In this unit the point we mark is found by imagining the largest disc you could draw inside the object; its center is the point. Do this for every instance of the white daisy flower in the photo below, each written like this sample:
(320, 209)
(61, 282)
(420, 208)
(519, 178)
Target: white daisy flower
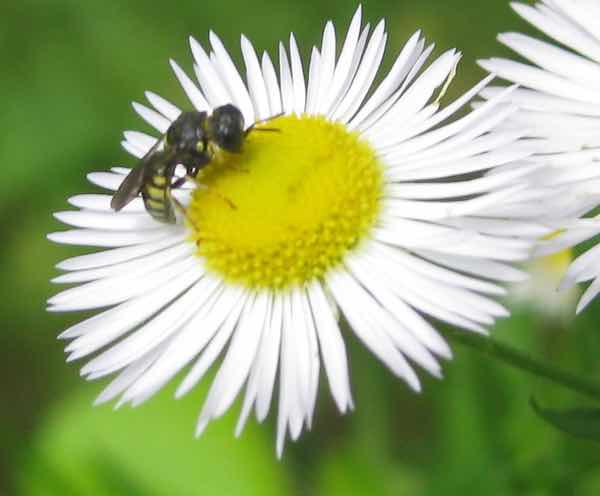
(368, 203)
(560, 101)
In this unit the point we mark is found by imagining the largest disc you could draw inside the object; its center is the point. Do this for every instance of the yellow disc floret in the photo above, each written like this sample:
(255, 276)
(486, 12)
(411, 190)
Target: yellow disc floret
(289, 207)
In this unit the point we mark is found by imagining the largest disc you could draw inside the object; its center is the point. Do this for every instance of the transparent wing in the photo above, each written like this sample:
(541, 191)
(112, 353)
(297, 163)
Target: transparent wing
(133, 182)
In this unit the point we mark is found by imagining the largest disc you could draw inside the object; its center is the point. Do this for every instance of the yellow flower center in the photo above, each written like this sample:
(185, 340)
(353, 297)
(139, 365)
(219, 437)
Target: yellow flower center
(289, 207)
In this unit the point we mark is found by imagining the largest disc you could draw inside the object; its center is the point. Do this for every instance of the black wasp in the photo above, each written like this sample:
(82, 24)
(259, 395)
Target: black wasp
(189, 141)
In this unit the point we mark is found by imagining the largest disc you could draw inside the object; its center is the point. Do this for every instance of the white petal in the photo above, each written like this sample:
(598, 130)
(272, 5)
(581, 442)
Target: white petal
(256, 83)
(482, 267)
(391, 82)
(326, 66)
(438, 117)
(101, 203)
(364, 76)
(289, 402)
(438, 309)
(153, 333)
(350, 298)
(141, 141)
(106, 180)
(132, 149)
(240, 356)
(539, 79)
(420, 92)
(553, 59)
(332, 347)
(212, 351)
(152, 117)
(414, 322)
(272, 84)
(127, 377)
(313, 353)
(305, 358)
(215, 90)
(297, 77)
(92, 338)
(186, 344)
(112, 221)
(590, 293)
(485, 184)
(262, 356)
(584, 268)
(270, 356)
(118, 255)
(165, 107)
(232, 79)
(446, 209)
(416, 61)
(287, 88)
(103, 328)
(191, 90)
(313, 82)
(107, 239)
(138, 266)
(347, 62)
(457, 133)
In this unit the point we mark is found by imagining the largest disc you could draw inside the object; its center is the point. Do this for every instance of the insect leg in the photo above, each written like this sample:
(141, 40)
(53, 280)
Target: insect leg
(179, 182)
(216, 192)
(213, 191)
(178, 205)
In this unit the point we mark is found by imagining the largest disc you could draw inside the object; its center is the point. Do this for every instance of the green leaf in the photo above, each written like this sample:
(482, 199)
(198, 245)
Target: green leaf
(579, 422)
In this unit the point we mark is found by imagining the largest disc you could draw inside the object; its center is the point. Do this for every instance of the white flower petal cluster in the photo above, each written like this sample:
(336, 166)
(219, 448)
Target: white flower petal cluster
(455, 218)
(560, 101)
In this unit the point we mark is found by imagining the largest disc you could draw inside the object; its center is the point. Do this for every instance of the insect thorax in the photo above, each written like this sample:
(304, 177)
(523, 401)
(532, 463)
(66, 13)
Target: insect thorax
(187, 130)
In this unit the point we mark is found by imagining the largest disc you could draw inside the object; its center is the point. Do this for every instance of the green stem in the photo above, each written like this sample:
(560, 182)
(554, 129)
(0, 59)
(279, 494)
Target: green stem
(526, 363)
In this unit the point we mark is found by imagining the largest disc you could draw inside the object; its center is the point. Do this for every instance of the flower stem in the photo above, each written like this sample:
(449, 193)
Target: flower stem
(522, 361)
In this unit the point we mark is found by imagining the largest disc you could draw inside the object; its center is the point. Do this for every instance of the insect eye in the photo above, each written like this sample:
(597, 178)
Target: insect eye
(228, 127)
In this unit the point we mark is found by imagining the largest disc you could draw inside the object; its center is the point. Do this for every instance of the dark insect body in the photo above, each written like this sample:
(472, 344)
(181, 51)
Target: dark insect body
(191, 141)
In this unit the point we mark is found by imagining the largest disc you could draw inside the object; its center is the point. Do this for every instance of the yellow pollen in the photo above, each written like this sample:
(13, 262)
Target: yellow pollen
(290, 207)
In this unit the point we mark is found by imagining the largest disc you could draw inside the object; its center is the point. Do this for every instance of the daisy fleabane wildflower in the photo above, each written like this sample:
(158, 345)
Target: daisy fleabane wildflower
(368, 203)
(560, 102)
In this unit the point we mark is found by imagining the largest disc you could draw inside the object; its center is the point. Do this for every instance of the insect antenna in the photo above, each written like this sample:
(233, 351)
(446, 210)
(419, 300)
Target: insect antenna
(268, 129)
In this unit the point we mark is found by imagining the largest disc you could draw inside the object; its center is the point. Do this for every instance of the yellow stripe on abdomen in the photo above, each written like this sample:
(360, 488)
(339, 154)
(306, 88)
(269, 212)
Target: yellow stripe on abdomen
(155, 205)
(155, 193)
(159, 181)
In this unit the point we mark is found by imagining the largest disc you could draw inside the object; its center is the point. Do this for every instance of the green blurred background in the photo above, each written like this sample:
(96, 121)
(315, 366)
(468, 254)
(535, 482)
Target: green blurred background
(70, 69)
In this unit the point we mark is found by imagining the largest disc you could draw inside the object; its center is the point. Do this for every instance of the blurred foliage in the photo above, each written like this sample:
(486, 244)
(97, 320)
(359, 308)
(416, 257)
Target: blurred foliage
(70, 70)
(84, 451)
(579, 422)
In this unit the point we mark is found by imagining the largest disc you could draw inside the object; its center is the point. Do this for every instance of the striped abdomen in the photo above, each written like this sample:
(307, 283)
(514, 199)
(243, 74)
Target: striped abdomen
(157, 198)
